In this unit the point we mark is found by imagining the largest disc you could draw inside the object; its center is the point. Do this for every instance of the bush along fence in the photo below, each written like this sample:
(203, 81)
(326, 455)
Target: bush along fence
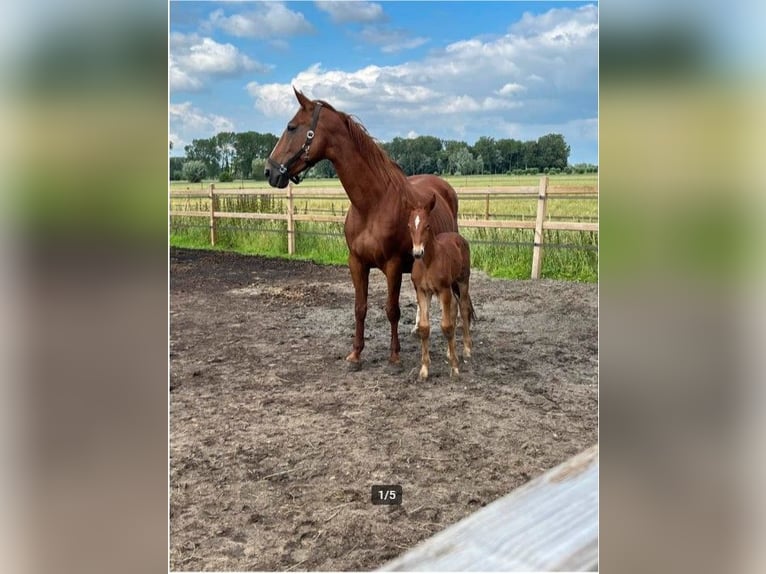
(293, 205)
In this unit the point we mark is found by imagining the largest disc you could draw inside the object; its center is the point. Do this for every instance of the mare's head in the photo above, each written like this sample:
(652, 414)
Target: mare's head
(302, 143)
(419, 225)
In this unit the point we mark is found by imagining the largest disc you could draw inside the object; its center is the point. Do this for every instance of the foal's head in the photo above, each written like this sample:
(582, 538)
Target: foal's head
(420, 227)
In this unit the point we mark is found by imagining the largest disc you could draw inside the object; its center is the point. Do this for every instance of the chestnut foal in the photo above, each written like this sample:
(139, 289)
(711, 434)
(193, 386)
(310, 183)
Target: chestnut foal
(442, 266)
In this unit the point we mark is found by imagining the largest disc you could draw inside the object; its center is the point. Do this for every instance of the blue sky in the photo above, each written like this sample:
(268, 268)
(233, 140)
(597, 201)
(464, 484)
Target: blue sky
(455, 70)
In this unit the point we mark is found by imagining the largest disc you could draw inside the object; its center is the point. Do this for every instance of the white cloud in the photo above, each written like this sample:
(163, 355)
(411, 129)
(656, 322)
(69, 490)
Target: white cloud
(390, 39)
(181, 80)
(194, 60)
(178, 143)
(342, 12)
(542, 72)
(188, 123)
(510, 88)
(265, 20)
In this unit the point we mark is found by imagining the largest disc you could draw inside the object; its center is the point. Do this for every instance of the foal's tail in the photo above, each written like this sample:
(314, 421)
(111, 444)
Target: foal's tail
(471, 312)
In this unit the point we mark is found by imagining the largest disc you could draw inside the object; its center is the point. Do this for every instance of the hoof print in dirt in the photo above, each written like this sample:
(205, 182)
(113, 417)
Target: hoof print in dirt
(353, 367)
(394, 368)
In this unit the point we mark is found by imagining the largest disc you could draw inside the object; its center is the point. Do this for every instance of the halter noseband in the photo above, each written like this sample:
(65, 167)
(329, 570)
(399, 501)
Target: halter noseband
(304, 149)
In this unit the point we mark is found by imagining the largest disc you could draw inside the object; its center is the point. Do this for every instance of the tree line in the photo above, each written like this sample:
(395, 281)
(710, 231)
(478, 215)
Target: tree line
(229, 155)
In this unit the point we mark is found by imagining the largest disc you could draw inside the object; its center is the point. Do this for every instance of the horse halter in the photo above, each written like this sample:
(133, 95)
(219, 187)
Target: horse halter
(304, 149)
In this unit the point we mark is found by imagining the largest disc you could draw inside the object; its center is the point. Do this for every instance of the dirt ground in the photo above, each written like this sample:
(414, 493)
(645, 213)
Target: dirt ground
(275, 443)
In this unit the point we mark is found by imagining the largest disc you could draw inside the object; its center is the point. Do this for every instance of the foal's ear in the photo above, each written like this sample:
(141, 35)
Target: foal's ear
(302, 100)
(431, 204)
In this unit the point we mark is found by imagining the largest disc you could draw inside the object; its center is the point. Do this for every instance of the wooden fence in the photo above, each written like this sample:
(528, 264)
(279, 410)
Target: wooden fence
(549, 524)
(541, 223)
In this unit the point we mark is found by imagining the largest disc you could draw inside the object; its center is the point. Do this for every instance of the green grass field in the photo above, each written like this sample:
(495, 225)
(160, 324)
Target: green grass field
(500, 252)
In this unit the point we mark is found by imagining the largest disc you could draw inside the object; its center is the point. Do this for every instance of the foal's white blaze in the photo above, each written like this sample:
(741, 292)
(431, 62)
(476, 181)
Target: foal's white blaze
(417, 221)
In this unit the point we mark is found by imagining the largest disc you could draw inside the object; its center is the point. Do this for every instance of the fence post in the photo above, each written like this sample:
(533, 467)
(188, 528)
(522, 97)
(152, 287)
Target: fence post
(213, 206)
(290, 221)
(542, 205)
(486, 206)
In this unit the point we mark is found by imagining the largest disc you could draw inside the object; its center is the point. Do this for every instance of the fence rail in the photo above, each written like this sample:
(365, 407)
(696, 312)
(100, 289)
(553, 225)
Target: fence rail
(549, 524)
(541, 223)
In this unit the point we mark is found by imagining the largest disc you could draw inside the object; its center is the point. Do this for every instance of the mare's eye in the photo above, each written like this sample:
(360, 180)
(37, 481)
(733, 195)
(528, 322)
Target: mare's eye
(291, 127)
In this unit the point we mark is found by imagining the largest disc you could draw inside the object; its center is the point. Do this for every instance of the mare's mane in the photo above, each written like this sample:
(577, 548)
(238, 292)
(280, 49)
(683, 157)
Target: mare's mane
(379, 160)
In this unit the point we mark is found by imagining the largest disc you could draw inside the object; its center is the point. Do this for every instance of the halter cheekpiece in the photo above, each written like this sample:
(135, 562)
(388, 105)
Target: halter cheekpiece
(303, 151)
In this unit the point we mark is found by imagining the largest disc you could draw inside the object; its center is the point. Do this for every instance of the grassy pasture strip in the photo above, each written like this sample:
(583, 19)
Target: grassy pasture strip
(473, 203)
(500, 252)
(468, 182)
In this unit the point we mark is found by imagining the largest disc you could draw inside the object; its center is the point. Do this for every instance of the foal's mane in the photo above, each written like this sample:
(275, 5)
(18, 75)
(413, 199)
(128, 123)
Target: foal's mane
(378, 159)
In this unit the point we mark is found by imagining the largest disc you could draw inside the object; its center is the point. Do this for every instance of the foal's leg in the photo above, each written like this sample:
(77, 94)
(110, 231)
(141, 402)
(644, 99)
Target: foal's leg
(465, 314)
(414, 330)
(449, 319)
(360, 275)
(393, 312)
(424, 330)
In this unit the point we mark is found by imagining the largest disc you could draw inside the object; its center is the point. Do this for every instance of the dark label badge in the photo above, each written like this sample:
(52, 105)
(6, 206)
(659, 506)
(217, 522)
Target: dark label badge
(386, 493)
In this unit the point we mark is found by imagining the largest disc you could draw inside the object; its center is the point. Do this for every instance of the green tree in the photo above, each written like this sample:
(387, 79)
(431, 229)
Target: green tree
(204, 150)
(224, 149)
(530, 156)
(249, 146)
(486, 148)
(324, 169)
(257, 167)
(194, 170)
(463, 161)
(175, 168)
(510, 155)
(552, 151)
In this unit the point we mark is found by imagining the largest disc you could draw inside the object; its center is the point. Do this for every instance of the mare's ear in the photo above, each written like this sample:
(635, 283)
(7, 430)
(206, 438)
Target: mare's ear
(431, 203)
(302, 100)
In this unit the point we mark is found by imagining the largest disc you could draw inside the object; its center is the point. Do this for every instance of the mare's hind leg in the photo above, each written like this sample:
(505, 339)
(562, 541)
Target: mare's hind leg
(449, 320)
(466, 310)
(424, 330)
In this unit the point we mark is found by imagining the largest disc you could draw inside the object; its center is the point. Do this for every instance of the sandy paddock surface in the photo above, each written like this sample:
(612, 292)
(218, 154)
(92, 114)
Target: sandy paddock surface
(275, 442)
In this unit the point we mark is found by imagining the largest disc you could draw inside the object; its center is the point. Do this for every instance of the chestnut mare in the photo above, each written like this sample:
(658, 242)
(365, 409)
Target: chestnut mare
(442, 266)
(381, 199)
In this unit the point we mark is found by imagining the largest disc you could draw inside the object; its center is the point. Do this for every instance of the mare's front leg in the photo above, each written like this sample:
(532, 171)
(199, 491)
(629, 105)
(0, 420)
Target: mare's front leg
(393, 273)
(360, 276)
